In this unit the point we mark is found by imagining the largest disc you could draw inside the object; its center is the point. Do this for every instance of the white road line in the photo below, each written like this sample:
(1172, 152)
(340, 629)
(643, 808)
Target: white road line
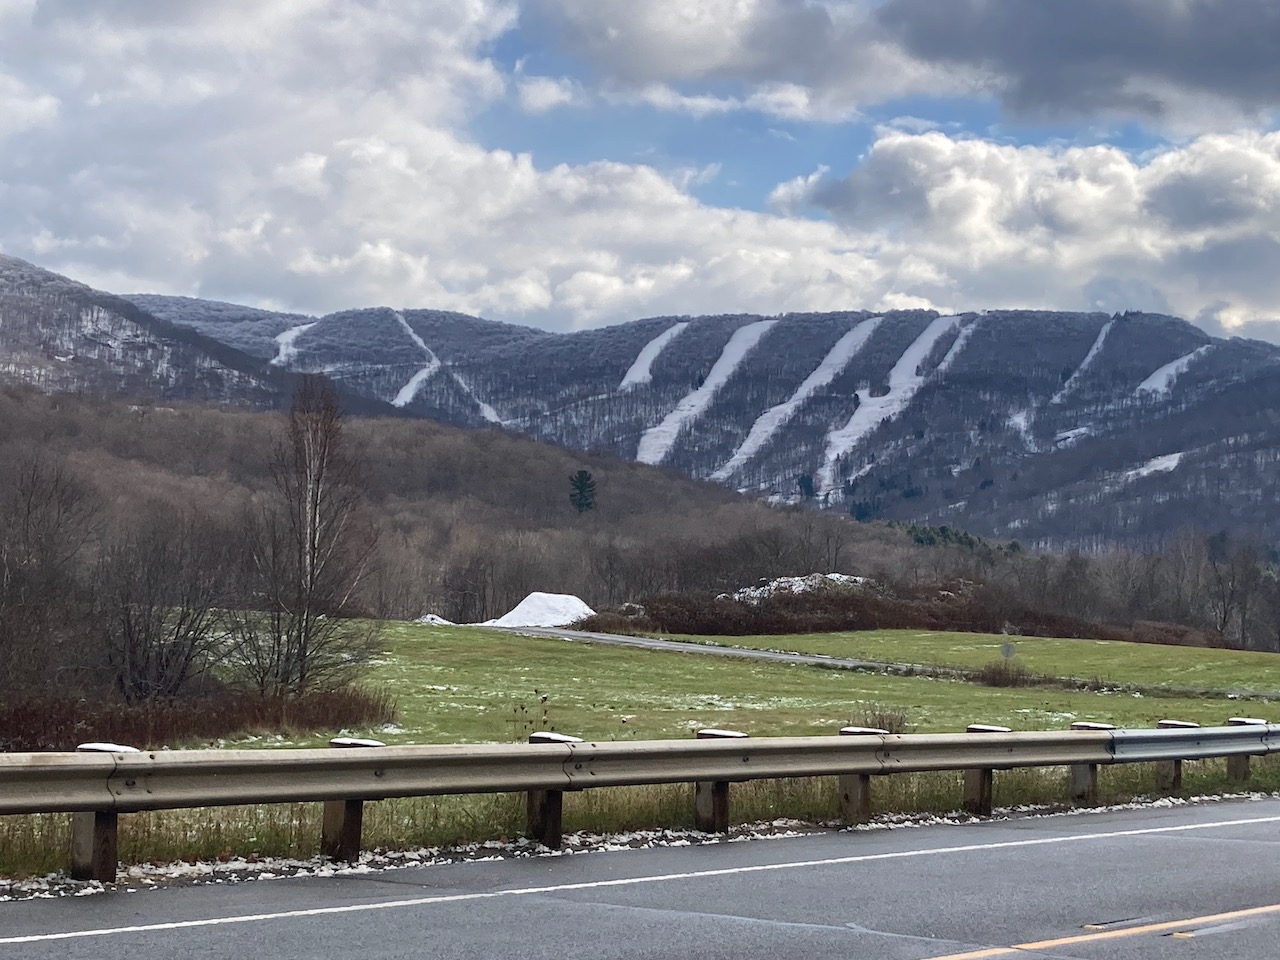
(627, 881)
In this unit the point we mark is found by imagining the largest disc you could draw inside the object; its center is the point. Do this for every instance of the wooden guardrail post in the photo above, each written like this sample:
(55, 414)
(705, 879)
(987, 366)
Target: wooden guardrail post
(545, 808)
(1169, 772)
(344, 819)
(855, 788)
(1084, 776)
(1238, 766)
(711, 797)
(979, 783)
(95, 833)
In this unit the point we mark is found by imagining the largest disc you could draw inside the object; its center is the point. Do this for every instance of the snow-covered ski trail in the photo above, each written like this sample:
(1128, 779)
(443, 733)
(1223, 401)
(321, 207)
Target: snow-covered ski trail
(1084, 364)
(657, 441)
(1161, 382)
(641, 371)
(903, 384)
(410, 389)
(285, 343)
(776, 417)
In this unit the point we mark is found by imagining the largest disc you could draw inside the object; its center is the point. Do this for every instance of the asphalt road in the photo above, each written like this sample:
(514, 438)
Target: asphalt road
(1190, 882)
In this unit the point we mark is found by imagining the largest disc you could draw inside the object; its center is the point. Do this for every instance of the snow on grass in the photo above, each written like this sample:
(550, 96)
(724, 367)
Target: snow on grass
(1162, 464)
(773, 419)
(657, 441)
(543, 610)
(1158, 385)
(286, 343)
(904, 382)
(1084, 364)
(641, 372)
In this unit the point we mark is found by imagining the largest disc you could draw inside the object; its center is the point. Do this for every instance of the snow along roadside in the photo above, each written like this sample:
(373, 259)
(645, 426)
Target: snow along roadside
(773, 419)
(658, 441)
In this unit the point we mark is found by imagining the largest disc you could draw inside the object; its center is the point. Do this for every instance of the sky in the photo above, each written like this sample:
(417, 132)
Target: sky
(573, 163)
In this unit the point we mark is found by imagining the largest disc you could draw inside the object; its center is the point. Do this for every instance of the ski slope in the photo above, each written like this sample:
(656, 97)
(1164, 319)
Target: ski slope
(641, 371)
(1084, 364)
(1158, 385)
(904, 382)
(410, 389)
(776, 417)
(286, 343)
(657, 441)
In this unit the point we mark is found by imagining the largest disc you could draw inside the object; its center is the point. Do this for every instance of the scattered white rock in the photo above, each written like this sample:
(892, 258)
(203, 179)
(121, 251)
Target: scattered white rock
(544, 610)
(814, 581)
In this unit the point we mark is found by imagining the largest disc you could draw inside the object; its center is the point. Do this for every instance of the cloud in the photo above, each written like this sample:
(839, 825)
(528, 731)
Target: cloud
(316, 154)
(540, 94)
(1197, 63)
(791, 59)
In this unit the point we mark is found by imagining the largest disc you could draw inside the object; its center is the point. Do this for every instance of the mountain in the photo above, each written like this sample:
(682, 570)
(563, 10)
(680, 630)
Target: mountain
(1071, 429)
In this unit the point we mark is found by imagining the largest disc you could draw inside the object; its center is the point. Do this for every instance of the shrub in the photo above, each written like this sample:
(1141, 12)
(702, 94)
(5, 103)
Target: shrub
(1004, 673)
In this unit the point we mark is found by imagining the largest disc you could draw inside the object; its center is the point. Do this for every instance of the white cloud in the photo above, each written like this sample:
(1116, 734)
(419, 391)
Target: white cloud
(540, 94)
(313, 154)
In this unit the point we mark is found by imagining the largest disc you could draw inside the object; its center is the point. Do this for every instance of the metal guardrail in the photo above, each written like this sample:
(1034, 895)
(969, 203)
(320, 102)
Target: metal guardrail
(98, 786)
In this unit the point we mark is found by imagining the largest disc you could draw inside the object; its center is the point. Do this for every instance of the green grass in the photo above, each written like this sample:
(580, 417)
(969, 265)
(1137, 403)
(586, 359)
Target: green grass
(460, 685)
(1110, 660)
(457, 685)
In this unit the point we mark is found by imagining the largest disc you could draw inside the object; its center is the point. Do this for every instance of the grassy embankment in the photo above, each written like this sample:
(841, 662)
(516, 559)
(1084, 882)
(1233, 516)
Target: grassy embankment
(469, 685)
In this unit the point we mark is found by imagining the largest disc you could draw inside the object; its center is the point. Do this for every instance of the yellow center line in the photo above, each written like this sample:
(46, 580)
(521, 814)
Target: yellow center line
(1110, 934)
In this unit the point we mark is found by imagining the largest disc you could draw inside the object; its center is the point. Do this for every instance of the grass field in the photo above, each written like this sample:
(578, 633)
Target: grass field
(1109, 660)
(455, 684)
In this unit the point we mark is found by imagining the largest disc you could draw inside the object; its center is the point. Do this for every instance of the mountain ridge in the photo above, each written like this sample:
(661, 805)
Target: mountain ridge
(1062, 428)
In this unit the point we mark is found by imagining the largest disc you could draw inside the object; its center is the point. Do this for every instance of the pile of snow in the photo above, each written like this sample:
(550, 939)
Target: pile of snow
(814, 581)
(435, 620)
(544, 610)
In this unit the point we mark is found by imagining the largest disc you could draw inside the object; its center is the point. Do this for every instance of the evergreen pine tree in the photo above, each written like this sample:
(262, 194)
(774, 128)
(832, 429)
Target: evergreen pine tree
(582, 491)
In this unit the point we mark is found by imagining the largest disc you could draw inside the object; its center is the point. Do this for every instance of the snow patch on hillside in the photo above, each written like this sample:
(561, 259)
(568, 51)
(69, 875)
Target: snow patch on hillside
(286, 342)
(1162, 464)
(543, 610)
(1161, 382)
(641, 371)
(657, 441)
(958, 346)
(773, 419)
(1020, 421)
(1085, 363)
(904, 382)
(410, 389)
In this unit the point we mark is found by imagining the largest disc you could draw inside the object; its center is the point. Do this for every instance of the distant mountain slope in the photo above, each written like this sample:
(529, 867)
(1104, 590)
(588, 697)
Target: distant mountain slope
(1064, 428)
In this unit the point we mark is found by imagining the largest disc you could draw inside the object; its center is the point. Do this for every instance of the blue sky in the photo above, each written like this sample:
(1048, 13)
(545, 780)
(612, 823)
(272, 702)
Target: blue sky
(571, 163)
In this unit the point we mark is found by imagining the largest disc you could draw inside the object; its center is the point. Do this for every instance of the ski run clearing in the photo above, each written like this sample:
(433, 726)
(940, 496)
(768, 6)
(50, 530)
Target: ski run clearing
(658, 441)
(410, 389)
(1158, 385)
(1084, 364)
(641, 372)
(1163, 464)
(904, 382)
(287, 346)
(773, 419)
